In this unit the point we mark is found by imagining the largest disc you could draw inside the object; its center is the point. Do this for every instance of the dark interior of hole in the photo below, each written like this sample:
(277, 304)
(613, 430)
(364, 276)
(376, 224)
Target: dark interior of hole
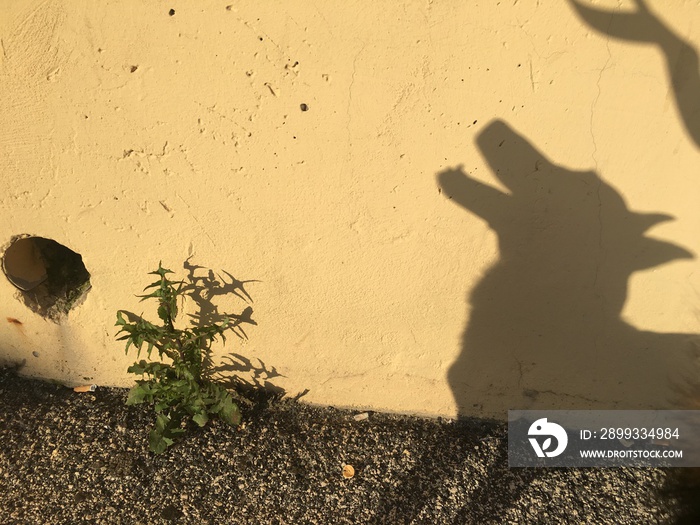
(67, 280)
(64, 268)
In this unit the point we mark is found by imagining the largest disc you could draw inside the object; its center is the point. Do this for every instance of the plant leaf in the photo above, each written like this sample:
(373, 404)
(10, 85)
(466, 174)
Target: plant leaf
(136, 395)
(229, 411)
(200, 418)
(157, 442)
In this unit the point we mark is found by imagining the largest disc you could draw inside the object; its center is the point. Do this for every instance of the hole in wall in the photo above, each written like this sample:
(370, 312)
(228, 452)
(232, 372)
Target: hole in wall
(50, 277)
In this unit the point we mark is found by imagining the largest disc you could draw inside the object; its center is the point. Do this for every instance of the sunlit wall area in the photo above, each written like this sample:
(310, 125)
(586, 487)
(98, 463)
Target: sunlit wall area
(441, 208)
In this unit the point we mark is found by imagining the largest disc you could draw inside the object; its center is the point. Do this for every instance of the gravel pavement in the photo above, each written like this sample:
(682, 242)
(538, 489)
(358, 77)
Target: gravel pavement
(82, 458)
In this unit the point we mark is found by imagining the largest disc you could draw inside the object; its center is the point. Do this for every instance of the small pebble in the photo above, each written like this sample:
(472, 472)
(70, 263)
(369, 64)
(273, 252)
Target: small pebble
(348, 471)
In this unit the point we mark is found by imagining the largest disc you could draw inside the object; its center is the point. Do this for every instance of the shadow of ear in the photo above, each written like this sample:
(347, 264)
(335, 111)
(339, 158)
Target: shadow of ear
(682, 61)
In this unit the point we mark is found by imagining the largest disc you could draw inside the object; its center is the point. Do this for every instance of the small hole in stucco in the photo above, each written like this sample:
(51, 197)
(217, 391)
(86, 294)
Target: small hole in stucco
(35, 353)
(50, 277)
(304, 107)
(134, 68)
(171, 12)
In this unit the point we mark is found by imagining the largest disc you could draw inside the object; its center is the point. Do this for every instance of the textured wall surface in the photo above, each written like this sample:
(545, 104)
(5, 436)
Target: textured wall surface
(442, 205)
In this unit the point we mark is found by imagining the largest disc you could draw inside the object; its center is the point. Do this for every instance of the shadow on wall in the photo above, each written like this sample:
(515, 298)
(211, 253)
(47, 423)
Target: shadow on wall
(643, 26)
(235, 371)
(545, 330)
(202, 289)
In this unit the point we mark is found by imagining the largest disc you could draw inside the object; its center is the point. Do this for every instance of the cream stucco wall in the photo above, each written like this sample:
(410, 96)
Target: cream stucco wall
(133, 136)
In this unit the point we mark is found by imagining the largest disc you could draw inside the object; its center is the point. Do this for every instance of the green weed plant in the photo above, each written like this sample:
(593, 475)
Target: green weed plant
(178, 386)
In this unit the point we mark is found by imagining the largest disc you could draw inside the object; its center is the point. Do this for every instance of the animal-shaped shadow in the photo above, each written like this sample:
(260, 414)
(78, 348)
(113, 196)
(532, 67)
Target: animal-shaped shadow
(643, 26)
(545, 327)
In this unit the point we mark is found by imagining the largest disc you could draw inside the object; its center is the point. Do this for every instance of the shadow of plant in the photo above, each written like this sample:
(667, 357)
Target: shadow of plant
(258, 388)
(250, 381)
(235, 372)
(184, 385)
(203, 289)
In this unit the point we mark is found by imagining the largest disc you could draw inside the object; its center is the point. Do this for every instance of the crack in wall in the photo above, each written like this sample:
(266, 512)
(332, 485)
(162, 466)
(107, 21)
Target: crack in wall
(194, 217)
(532, 393)
(605, 67)
(594, 157)
(348, 111)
